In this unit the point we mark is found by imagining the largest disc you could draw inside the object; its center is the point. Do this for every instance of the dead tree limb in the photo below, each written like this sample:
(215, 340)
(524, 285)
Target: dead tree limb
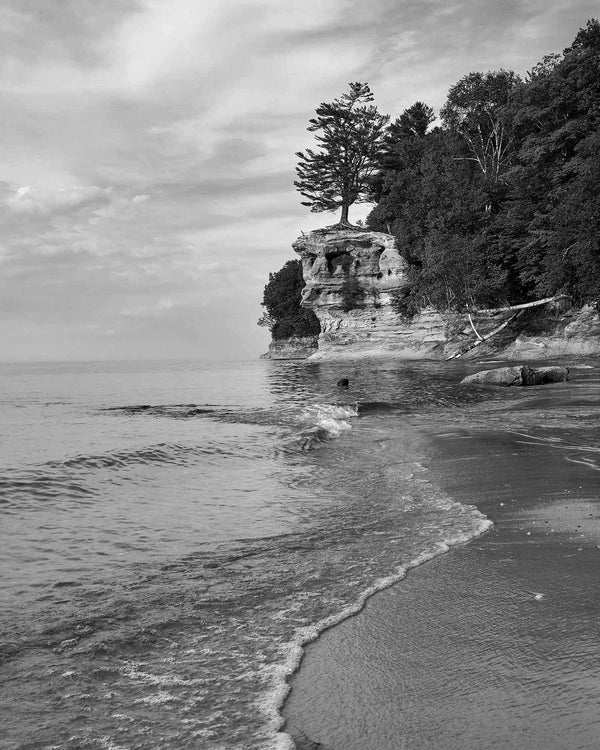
(473, 327)
(481, 339)
(524, 306)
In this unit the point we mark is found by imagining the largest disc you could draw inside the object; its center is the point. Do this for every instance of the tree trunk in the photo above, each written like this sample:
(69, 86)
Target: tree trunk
(344, 218)
(524, 306)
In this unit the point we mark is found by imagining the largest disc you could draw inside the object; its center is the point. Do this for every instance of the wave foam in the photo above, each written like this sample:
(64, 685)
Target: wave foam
(270, 704)
(330, 418)
(320, 423)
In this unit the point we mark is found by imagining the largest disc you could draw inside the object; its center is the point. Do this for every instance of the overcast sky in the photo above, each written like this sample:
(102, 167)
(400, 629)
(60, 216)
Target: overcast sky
(147, 150)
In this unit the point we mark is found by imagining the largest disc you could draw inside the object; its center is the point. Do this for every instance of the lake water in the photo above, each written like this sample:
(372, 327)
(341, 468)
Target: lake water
(172, 533)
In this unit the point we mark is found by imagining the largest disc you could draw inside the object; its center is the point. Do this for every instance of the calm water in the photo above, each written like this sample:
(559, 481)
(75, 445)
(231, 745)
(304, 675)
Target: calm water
(172, 533)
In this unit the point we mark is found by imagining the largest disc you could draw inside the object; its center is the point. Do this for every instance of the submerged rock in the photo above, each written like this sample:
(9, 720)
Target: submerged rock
(499, 376)
(543, 375)
(519, 375)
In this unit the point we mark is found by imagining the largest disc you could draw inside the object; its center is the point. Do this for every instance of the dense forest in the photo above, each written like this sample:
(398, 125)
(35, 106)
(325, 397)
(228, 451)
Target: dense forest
(499, 202)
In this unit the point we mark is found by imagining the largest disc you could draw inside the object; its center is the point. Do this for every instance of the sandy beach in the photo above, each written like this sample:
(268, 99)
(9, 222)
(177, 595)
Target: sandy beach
(495, 644)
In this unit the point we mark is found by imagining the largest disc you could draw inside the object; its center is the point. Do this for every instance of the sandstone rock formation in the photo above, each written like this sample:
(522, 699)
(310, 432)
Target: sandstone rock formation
(331, 256)
(336, 261)
(353, 277)
(575, 332)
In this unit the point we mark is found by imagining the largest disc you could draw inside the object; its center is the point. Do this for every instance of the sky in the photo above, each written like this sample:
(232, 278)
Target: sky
(147, 151)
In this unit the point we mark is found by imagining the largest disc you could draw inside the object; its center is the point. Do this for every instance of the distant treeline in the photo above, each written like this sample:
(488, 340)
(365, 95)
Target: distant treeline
(497, 204)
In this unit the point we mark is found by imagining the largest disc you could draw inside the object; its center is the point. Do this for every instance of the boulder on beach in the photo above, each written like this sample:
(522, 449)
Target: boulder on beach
(543, 375)
(519, 375)
(499, 376)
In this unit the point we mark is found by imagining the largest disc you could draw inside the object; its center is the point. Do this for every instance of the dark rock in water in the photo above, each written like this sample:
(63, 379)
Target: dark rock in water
(519, 375)
(343, 383)
(543, 375)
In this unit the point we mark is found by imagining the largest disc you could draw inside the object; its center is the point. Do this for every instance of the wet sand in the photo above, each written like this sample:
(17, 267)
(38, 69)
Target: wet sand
(493, 645)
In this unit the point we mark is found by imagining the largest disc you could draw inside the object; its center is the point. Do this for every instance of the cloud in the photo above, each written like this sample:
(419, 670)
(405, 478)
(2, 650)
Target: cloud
(44, 200)
(12, 21)
(141, 198)
(147, 149)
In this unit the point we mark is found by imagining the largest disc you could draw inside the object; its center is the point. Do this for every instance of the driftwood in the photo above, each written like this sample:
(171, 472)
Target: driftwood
(492, 311)
(475, 331)
(481, 339)
(524, 306)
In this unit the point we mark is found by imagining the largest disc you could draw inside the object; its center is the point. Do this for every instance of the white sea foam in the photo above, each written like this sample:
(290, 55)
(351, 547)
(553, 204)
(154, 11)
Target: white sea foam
(157, 698)
(133, 671)
(106, 743)
(320, 423)
(316, 412)
(271, 702)
(331, 418)
(589, 463)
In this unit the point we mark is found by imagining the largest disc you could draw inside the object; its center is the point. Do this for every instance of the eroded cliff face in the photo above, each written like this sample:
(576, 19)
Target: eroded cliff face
(341, 264)
(576, 331)
(294, 347)
(362, 270)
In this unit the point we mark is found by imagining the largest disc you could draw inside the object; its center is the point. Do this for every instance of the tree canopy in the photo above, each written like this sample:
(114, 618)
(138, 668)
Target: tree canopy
(499, 204)
(349, 133)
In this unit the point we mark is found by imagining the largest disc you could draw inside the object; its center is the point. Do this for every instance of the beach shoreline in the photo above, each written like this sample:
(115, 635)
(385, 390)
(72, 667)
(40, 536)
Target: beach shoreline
(491, 645)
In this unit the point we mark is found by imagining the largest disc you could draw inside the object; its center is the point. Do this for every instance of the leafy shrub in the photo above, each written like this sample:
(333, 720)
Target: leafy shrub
(404, 304)
(284, 317)
(353, 295)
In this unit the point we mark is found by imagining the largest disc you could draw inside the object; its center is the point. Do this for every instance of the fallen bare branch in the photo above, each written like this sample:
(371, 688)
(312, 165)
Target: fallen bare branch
(523, 306)
(473, 327)
(481, 339)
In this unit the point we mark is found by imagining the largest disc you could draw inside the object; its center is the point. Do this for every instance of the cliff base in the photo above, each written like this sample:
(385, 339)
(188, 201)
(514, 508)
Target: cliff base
(295, 347)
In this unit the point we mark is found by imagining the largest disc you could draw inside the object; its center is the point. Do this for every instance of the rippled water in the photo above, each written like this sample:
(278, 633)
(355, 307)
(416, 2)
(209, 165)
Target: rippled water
(172, 533)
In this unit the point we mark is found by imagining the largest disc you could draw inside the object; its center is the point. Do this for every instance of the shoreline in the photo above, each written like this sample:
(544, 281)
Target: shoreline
(523, 349)
(373, 681)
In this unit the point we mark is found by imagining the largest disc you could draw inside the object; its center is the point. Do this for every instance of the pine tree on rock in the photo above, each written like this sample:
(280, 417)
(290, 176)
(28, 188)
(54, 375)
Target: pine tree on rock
(349, 133)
